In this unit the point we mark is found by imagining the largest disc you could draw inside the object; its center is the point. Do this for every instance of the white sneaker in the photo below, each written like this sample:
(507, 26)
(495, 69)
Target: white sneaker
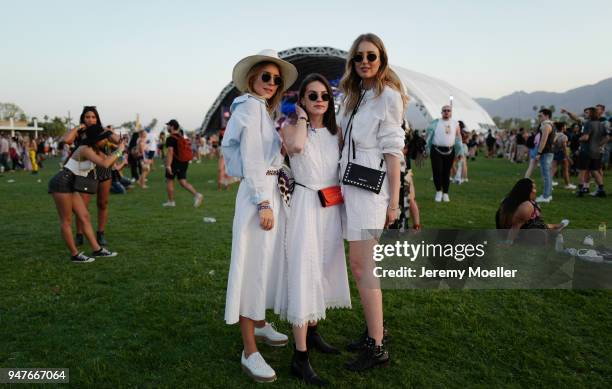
(445, 198)
(555, 183)
(257, 368)
(589, 255)
(542, 199)
(438, 197)
(169, 204)
(588, 241)
(270, 336)
(564, 223)
(570, 186)
(197, 200)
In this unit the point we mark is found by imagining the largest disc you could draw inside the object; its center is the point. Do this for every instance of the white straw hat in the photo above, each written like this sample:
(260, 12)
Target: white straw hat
(239, 75)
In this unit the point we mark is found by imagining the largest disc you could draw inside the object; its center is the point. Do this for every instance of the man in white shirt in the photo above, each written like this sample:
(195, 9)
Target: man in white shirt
(443, 136)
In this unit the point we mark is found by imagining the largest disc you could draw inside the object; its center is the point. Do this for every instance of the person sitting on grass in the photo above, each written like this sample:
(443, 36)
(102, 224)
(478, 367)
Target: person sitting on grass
(519, 211)
(67, 200)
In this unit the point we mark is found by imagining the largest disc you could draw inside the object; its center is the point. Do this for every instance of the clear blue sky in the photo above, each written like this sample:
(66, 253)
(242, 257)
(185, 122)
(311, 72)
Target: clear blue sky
(169, 59)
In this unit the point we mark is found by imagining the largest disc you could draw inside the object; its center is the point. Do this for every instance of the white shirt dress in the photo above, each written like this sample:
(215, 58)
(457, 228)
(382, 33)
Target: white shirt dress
(313, 273)
(377, 130)
(251, 147)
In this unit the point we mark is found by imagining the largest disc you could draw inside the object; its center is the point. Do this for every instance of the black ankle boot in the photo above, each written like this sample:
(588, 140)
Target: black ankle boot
(371, 356)
(315, 341)
(359, 344)
(301, 368)
(101, 238)
(78, 240)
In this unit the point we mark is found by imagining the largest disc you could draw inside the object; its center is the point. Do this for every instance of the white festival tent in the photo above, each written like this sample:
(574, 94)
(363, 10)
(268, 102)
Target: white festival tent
(427, 94)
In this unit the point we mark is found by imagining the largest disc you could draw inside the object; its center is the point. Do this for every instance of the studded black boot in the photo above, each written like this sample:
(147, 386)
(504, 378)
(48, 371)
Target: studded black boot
(301, 368)
(359, 344)
(371, 356)
(315, 341)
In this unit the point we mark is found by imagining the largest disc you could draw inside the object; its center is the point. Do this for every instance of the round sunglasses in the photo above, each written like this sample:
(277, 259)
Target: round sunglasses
(266, 77)
(314, 96)
(359, 58)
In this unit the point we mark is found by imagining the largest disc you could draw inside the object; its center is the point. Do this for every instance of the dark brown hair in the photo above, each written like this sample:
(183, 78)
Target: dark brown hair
(329, 117)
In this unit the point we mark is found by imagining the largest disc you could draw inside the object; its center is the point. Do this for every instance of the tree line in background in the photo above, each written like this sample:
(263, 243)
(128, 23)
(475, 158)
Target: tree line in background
(55, 126)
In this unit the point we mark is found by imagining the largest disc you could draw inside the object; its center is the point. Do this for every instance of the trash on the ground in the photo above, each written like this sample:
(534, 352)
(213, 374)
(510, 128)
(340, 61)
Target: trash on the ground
(211, 273)
(10, 181)
(208, 219)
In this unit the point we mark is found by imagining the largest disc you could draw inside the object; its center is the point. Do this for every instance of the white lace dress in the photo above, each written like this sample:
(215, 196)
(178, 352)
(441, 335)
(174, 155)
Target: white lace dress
(313, 273)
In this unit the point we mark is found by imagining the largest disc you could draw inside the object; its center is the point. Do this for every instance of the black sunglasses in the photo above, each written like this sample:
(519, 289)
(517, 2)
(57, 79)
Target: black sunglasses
(447, 110)
(266, 77)
(359, 58)
(313, 96)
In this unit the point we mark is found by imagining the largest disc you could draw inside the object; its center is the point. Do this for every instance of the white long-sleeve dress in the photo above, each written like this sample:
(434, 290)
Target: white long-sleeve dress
(313, 273)
(251, 149)
(377, 130)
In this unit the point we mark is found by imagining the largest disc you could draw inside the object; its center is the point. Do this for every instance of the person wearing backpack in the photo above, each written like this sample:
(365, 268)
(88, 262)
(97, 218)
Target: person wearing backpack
(177, 162)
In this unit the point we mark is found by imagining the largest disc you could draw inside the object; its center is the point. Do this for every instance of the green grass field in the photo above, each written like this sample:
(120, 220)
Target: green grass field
(153, 316)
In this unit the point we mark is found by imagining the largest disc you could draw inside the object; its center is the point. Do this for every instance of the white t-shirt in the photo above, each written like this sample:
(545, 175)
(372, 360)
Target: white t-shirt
(151, 142)
(445, 132)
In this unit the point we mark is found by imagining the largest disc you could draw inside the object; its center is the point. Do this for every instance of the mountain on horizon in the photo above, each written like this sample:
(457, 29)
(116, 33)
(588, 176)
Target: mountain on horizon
(520, 104)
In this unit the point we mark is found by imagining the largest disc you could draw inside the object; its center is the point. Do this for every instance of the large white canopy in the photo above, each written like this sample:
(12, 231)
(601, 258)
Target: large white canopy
(427, 94)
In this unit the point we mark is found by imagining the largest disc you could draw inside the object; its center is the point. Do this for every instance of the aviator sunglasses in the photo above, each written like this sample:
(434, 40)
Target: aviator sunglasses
(266, 77)
(359, 58)
(313, 96)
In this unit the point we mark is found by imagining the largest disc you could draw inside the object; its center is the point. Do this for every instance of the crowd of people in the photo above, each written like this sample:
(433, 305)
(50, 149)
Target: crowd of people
(25, 152)
(350, 175)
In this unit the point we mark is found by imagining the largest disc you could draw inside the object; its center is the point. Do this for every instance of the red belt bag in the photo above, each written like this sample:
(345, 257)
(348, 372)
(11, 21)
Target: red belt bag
(330, 196)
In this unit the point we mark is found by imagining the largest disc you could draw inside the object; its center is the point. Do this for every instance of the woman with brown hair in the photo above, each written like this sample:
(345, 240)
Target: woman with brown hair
(252, 151)
(371, 120)
(314, 276)
(90, 117)
(83, 160)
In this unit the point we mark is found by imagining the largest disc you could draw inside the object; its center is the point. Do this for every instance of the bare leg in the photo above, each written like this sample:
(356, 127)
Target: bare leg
(86, 199)
(247, 329)
(102, 203)
(566, 176)
(170, 189)
(63, 203)
(532, 165)
(82, 214)
(597, 176)
(360, 256)
(188, 186)
(299, 334)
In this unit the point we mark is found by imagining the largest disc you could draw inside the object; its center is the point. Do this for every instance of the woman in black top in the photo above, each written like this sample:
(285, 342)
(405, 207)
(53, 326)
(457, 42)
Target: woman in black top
(90, 117)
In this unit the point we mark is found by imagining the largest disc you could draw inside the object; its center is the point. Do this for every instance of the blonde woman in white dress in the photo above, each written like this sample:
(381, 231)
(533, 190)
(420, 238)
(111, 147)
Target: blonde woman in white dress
(375, 99)
(314, 274)
(251, 149)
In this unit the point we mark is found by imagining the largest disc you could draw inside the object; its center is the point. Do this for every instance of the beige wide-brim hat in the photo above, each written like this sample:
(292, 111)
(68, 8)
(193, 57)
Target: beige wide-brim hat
(239, 75)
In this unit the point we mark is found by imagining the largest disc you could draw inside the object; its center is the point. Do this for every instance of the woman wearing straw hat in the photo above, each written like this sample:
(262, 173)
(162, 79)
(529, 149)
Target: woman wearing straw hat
(252, 151)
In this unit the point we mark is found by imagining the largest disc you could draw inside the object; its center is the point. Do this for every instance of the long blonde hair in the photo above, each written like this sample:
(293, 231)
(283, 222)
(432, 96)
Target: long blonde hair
(273, 102)
(351, 82)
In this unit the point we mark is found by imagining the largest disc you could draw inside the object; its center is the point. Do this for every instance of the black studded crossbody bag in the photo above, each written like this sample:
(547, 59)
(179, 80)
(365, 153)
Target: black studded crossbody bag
(358, 175)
